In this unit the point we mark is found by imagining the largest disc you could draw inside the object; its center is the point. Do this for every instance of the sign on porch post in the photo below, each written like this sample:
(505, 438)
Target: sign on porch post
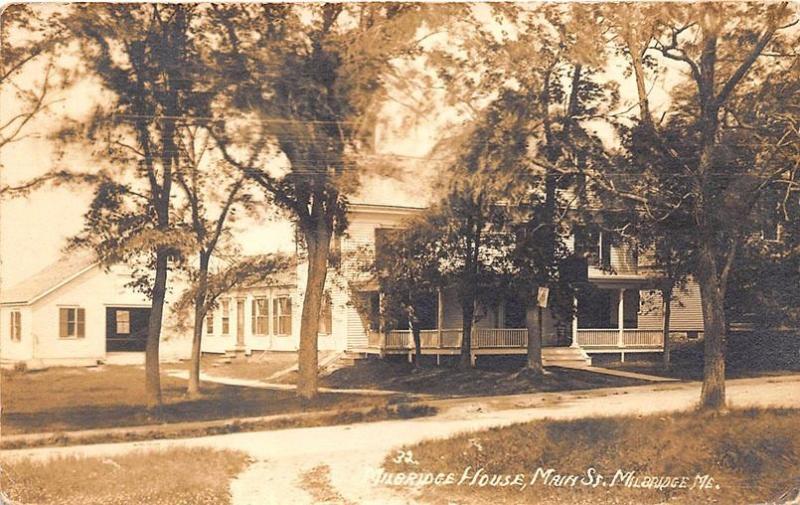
(542, 296)
(541, 301)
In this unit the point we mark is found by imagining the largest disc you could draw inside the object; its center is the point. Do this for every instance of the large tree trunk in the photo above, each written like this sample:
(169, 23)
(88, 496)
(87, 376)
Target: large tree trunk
(469, 292)
(666, 296)
(318, 243)
(467, 316)
(712, 395)
(151, 360)
(415, 333)
(534, 324)
(200, 309)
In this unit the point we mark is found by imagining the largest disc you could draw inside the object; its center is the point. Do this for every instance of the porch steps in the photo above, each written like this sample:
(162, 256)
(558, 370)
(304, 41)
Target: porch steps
(349, 358)
(565, 356)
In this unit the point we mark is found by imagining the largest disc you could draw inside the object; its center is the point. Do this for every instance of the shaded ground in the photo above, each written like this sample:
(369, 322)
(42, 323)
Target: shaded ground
(749, 354)
(751, 455)
(63, 399)
(192, 476)
(497, 376)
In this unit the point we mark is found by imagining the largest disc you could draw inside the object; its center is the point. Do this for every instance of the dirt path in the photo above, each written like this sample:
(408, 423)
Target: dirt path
(333, 464)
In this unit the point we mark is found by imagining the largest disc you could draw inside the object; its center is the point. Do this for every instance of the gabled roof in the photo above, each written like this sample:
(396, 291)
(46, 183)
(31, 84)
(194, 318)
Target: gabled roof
(50, 278)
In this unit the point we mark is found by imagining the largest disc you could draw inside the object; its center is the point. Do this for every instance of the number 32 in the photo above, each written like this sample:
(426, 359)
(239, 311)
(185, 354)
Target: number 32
(406, 457)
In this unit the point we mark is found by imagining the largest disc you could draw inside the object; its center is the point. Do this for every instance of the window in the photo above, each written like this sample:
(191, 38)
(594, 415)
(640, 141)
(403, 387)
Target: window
(282, 315)
(72, 322)
(594, 245)
(16, 325)
(374, 311)
(210, 322)
(226, 317)
(260, 316)
(326, 316)
(384, 239)
(632, 304)
(514, 314)
(123, 322)
(604, 249)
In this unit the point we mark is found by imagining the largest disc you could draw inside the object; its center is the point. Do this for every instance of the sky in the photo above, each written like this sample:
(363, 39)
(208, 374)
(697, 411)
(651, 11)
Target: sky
(35, 229)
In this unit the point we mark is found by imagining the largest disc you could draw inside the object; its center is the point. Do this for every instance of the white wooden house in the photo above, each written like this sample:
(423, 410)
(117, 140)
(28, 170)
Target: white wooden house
(622, 315)
(74, 312)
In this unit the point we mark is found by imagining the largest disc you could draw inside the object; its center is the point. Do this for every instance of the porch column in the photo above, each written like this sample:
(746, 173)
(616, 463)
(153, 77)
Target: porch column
(380, 312)
(574, 322)
(621, 318)
(439, 315)
(501, 315)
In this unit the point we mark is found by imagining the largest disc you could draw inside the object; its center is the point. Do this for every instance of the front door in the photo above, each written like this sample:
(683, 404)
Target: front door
(126, 329)
(240, 322)
(555, 332)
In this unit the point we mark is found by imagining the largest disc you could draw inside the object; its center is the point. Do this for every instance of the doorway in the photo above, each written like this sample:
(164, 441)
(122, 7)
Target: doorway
(126, 329)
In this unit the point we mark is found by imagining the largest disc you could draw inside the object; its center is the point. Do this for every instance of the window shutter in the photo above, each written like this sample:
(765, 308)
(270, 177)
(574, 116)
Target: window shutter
(286, 311)
(63, 316)
(254, 316)
(275, 311)
(81, 330)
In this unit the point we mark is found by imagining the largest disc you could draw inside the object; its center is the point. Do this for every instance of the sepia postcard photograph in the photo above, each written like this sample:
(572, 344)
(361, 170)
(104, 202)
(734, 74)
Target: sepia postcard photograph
(400, 253)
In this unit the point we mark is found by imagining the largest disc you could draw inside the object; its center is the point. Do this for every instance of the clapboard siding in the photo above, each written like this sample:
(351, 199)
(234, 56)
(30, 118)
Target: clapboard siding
(356, 327)
(357, 246)
(687, 312)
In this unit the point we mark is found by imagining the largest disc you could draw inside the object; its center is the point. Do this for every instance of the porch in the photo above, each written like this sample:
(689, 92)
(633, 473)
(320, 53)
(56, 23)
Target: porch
(514, 341)
(606, 321)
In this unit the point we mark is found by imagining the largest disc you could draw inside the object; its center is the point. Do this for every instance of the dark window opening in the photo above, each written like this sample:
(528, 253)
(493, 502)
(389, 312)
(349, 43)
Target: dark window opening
(514, 314)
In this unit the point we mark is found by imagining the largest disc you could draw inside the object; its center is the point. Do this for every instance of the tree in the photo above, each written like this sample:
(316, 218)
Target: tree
(666, 252)
(766, 275)
(409, 277)
(208, 286)
(470, 249)
(310, 77)
(28, 36)
(725, 139)
(529, 116)
(207, 185)
(144, 55)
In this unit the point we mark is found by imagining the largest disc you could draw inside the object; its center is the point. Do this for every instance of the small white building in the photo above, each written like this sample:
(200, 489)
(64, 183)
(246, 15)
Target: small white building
(74, 312)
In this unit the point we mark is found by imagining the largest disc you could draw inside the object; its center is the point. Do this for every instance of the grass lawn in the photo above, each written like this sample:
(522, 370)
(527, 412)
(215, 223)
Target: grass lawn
(170, 477)
(64, 399)
(496, 375)
(752, 456)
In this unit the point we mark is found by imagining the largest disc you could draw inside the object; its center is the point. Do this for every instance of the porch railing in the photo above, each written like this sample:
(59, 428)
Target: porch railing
(493, 338)
(450, 338)
(598, 337)
(500, 338)
(643, 338)
(610, 337)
